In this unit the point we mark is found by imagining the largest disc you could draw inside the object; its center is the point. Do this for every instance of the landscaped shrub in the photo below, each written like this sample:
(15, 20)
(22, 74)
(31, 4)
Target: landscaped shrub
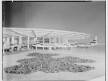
(47, 64)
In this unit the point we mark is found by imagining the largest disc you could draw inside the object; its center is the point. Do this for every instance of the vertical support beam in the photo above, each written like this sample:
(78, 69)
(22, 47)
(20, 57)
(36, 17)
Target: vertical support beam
(49, 40)
(42, 43)
(55, 41)
(13, 40)
(61, 42)
(43, 40)
(8, 40)
(35, 39)
(20, 40)
(4, 40)
(59, 39)
(96, 39)
(12, 49)
(28, 42)
(3, 50)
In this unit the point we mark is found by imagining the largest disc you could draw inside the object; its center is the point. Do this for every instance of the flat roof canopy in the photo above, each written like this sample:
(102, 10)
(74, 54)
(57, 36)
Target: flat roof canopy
(33, 32)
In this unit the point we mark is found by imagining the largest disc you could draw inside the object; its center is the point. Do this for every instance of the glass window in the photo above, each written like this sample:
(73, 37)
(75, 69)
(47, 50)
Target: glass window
(40, 40)
(46, 40)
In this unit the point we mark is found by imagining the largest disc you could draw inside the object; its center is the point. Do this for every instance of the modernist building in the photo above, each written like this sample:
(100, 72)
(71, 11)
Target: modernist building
(28, 38)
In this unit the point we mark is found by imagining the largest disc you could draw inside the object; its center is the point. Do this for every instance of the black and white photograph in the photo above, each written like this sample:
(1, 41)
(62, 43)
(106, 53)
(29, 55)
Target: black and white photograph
(53, 40)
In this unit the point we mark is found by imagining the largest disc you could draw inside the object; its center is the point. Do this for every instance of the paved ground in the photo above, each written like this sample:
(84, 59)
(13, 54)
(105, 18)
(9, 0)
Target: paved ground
(94, 54)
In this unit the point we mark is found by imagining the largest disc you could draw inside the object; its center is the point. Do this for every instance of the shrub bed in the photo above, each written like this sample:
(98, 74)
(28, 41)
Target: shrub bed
(47, 64)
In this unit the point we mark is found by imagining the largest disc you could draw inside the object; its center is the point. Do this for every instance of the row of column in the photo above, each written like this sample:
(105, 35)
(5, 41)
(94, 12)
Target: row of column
(12, 41)
(60, 40)
(55, 40)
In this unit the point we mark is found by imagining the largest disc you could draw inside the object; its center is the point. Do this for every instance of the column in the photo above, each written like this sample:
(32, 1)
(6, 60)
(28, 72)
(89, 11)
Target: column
(13, 40)
(96, 40)
(43, 40)
(54, 39)
(59, 39)
(36, 48)
(61, 42)
(35, 39)
(42, 43)
(28, 42)
(8, 40)
(49, 40)
(20, 42)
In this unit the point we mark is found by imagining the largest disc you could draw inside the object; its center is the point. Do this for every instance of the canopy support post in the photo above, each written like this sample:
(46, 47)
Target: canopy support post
(28, 42)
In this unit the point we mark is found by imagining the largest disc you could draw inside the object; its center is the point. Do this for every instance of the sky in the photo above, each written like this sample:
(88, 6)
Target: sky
(86, 17)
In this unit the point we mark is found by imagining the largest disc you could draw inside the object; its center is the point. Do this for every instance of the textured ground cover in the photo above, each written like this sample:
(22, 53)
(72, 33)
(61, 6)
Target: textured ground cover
(46, 63)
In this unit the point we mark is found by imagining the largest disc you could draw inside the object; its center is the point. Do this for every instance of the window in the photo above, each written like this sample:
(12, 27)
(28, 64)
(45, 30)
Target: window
(40, 40)
(46, 40)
